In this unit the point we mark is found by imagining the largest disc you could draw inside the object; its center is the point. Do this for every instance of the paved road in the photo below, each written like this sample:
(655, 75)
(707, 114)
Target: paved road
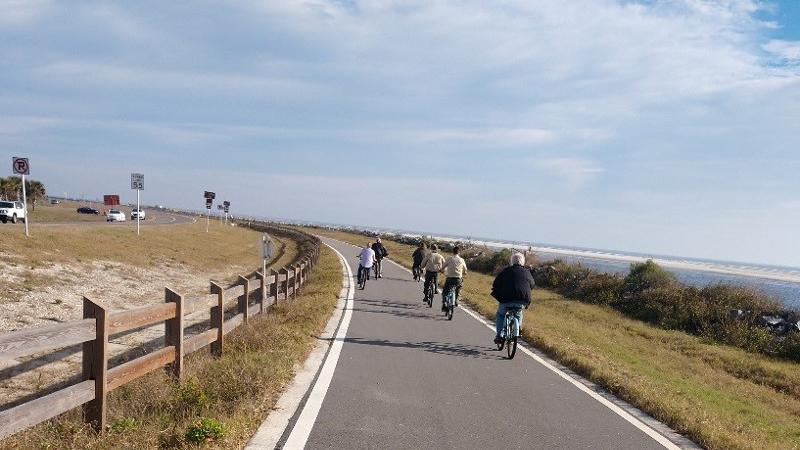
(407, 378)
(154, 217)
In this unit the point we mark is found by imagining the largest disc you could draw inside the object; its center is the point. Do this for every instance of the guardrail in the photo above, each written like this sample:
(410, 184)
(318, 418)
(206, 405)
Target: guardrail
(252, 295)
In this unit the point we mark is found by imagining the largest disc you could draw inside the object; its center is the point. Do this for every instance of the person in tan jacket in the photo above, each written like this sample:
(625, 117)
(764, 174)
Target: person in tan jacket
(454, 269)
(433, 264)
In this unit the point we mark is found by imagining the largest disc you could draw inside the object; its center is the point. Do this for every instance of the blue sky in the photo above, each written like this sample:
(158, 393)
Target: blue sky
(665, 126)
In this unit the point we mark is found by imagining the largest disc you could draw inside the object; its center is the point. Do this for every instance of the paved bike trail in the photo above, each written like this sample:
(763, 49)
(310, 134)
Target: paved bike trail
(408, 378)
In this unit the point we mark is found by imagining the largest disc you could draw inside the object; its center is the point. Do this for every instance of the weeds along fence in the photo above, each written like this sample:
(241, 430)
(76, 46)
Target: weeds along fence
(229, 307)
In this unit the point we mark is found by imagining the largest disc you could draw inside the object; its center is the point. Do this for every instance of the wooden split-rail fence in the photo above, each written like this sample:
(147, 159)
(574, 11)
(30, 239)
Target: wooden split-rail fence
(252, 295)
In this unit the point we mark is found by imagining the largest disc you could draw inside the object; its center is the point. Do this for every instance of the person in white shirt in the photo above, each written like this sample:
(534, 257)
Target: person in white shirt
(454, 269)
(365, 260)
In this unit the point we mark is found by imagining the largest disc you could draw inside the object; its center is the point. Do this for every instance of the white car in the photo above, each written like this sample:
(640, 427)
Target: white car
(115, 215)
(138, 212)
(12, 211)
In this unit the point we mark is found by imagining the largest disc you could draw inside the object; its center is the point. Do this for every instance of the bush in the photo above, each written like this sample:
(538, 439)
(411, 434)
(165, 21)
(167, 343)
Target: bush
(600, 288)
(646, 275)
(206, 430)
(491, 263)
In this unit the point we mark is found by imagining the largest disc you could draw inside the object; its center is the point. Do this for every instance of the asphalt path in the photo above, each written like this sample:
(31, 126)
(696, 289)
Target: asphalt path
(408, 378)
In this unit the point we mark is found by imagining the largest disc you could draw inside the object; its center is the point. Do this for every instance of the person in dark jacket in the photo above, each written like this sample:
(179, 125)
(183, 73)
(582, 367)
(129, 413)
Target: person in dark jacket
(419, 254)
(512, 288)
(380, 253)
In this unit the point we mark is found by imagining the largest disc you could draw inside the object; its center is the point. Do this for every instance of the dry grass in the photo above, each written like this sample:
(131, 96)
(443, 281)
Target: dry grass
(63, 212)
(186, 244)
(238, 389)
(721, 397)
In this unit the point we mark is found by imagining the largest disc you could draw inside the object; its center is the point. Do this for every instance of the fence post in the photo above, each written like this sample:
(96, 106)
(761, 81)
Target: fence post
(273, 288)
(262, 290)
(285, 271)
(294, 280)
(173, 332)
(217, 318)
(244, 302)
(95, 364)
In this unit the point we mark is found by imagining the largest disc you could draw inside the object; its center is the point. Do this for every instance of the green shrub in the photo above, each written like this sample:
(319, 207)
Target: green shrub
(646, 275)
(600, 288)
(122, 425)
(206, 430)
(190, 397)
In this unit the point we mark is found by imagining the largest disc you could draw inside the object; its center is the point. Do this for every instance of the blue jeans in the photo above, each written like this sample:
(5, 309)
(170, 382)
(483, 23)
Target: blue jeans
(500, 318)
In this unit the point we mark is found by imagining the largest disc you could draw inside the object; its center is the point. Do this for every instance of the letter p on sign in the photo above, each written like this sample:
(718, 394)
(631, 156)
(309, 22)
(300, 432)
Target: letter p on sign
(21, 166)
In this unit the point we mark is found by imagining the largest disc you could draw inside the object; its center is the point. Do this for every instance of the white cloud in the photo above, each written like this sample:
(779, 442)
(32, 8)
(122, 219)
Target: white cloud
(575, 172)
(785, 51)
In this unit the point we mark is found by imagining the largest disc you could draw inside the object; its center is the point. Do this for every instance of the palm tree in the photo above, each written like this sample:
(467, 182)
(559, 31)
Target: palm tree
(11, 188)
(35, 190)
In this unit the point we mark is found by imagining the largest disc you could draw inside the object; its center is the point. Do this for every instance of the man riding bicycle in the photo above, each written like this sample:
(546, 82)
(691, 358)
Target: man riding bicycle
(433, 264)
(380, 253)
(454, 269)
(417, 257)
(365, 260)
(512, 289)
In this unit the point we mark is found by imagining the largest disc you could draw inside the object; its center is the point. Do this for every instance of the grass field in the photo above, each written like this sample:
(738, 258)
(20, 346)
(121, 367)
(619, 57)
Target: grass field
(721, 397)
(239, 389)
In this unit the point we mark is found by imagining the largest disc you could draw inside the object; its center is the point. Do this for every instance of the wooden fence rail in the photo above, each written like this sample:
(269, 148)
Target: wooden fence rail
(98, 325)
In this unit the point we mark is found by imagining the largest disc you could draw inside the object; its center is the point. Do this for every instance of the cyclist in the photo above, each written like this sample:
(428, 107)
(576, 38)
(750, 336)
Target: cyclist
(366, 259)
(512, 289)
(380, 253)
(417, 257)
(433, 264)
(454, 269)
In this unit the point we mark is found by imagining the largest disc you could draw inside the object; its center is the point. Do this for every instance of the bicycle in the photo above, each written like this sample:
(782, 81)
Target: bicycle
(512, 320)
(417, 272)
(363, 276)
(429, 292)
(450, 303)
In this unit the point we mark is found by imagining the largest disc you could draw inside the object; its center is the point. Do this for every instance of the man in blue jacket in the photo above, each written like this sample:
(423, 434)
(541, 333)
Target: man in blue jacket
(512, 288)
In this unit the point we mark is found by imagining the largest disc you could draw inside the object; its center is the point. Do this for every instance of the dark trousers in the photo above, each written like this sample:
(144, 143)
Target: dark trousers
(430, 277)
(452, 283)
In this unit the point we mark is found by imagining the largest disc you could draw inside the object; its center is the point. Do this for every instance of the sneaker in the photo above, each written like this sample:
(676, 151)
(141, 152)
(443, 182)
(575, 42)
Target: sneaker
(498, 340)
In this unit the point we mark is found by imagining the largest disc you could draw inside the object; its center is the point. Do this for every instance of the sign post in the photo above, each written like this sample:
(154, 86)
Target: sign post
(22, 166)
(137, 183)
(267, 248)
(227, 206)
(209, 196)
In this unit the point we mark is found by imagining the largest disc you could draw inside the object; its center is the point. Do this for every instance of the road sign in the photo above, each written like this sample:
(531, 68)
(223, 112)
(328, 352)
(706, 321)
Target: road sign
(21, 166)
(208, 203)
(210, 195)
(220, 207)
(137, 181)
(226, 203)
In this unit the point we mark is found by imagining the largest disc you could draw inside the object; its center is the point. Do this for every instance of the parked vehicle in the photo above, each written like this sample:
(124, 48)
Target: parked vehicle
(138, 213)
(12, 211)
(88, 210)
(115, 215)
(54, 201)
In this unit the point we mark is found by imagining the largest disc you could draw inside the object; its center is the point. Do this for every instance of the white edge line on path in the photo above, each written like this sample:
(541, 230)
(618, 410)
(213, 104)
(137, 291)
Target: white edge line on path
(325, 356)
(628, 417)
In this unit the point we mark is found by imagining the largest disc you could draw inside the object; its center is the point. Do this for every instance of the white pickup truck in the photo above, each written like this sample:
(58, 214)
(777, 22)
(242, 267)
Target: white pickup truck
(12, 211)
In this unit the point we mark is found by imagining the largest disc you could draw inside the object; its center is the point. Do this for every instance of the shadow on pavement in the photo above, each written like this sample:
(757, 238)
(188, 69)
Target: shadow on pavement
(432, 347)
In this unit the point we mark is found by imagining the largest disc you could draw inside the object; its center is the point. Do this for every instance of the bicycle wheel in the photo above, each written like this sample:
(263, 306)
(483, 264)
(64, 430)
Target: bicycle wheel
(512, 341)
(450, 312)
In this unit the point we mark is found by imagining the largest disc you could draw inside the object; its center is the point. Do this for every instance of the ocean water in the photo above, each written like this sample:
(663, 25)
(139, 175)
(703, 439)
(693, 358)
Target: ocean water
(787, 292)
